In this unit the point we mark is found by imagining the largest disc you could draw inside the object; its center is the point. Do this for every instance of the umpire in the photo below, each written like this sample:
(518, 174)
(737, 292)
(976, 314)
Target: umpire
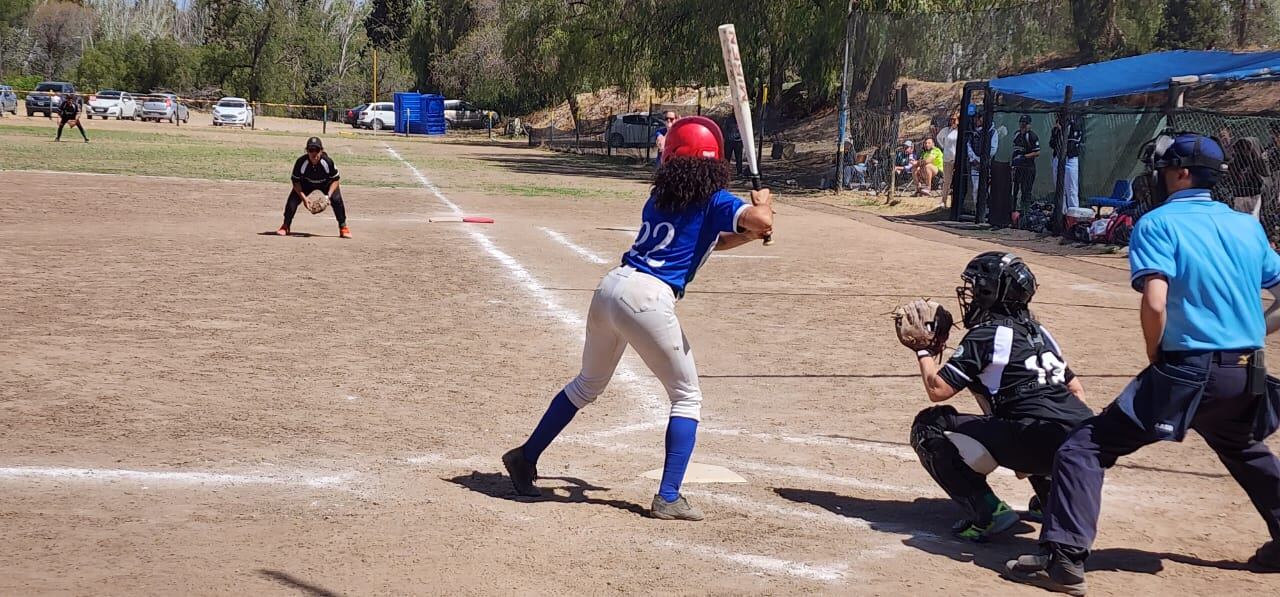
(1199, 266)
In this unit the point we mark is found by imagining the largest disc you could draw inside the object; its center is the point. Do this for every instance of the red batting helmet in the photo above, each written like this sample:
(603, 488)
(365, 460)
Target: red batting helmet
(696, 136)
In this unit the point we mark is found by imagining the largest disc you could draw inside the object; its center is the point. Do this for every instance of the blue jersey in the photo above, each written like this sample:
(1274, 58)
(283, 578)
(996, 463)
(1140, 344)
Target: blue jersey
(672, 246)
(1217, 260)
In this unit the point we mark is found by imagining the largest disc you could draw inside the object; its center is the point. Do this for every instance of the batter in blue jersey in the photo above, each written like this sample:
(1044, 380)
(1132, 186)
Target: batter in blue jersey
(688, 215)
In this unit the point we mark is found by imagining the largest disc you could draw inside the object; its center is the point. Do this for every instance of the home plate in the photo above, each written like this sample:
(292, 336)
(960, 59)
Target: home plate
(701, 473)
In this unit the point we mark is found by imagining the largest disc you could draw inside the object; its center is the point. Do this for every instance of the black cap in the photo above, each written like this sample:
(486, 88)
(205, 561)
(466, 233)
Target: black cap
(314, 143)
(1025, 119)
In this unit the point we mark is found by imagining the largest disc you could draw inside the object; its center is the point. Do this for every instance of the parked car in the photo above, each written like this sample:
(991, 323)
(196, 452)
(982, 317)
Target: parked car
(353, 115)
(378, 116)
(165, 106)
(233, 111)
(106, 104)
(633, 130)
(47, 97)
(8, 100)
(458, 113)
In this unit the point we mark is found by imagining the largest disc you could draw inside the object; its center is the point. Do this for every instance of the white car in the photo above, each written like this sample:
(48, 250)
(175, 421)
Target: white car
(635, 129)
(378, 116)
(106, 104)
(233, 111)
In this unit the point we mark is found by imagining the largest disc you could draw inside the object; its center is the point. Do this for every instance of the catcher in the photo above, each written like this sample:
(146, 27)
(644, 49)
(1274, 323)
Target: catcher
(1030, 398)
(315, 184)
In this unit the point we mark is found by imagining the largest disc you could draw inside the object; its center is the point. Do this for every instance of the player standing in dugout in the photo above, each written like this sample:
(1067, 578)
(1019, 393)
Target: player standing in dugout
(68, 112)
(1026, 148)
(315, 171)
(1200, 267)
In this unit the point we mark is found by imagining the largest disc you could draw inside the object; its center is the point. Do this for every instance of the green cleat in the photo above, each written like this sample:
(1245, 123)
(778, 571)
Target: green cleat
(1001, 520)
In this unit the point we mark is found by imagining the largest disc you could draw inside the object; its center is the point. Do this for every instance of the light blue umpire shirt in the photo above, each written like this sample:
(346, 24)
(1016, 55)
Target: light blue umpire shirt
(1216, 260)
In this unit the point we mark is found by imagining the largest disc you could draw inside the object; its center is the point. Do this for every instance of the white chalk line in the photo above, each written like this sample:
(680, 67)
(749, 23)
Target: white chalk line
(576, 248)
(789, 471)
(834, 572)
(900, 452)
(654, 404)
(104, 475)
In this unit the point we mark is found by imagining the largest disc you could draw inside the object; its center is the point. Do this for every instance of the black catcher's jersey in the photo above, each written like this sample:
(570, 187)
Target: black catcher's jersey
(1019, 368)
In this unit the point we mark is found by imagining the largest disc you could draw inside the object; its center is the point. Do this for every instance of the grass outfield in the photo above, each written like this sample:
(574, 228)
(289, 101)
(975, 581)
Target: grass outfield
(189, 153)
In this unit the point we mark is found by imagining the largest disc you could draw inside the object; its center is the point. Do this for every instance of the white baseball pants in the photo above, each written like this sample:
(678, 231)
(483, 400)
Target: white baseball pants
(631, 307)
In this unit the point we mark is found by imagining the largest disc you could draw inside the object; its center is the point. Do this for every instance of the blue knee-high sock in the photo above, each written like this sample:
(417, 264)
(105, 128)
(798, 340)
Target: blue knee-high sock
(681, 433)
(553, 422)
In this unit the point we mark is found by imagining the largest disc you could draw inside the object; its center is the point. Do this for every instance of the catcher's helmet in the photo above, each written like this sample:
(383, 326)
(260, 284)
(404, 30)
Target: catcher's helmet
(995, 283)
(694, 136)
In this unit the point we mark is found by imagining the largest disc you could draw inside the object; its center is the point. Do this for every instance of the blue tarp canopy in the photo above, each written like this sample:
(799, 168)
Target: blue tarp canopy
(1140, 74)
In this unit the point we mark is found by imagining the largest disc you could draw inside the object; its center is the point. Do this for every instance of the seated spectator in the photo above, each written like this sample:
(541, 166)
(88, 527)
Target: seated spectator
(928, 167)
(905, 160)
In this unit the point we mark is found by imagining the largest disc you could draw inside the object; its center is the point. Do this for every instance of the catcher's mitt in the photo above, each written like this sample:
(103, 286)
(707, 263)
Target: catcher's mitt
(923, 324)
(316, 202)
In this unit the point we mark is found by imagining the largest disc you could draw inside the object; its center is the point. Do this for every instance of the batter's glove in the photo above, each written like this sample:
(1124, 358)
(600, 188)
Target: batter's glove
(316, 202)
(923, 325)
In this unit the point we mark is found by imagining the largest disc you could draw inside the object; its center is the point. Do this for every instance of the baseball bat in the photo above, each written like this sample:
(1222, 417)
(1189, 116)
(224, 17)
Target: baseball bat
(741, 103)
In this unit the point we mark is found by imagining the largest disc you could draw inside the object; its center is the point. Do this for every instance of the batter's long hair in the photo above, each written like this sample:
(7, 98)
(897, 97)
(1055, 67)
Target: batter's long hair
(682, 182)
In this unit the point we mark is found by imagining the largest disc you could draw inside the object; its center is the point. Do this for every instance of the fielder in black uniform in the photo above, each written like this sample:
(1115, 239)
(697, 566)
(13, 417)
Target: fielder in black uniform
(315, 171)
(1026, 148)
(68, 112)
(1016, 370)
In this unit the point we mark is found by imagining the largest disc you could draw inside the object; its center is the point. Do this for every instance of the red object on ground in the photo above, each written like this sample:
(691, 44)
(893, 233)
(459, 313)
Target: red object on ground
(477, 220)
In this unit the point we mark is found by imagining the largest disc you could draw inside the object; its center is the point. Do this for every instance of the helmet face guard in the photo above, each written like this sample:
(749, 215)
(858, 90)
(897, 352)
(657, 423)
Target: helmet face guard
(994, 282)
(1157, 154)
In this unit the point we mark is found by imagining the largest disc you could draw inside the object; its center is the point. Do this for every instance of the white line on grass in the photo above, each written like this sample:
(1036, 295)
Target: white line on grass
(101, 475)
(764, 564)
(653, 403)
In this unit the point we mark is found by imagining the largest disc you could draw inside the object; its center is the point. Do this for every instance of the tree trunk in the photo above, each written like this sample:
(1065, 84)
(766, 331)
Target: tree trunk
(572, 99)
(1243, 9)
(882, 86)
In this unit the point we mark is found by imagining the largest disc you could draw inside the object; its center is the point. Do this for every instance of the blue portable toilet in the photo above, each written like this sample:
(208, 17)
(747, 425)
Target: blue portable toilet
(433, 114)
(408, 107)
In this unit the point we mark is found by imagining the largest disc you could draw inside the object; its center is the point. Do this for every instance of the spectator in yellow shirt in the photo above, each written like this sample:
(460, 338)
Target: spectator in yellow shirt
(928, 166)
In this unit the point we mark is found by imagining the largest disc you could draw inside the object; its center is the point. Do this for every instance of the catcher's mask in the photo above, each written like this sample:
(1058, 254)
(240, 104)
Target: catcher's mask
(994, 282)
(695, 136)
(1180, 149)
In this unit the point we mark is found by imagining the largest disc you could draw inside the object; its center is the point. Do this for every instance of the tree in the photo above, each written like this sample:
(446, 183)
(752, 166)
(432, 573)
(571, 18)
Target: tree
(13, 17)
(388, 22)
(1191, 24)
(61, 30)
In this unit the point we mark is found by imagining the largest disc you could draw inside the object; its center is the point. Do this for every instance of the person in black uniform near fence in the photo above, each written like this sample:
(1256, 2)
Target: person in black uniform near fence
(1200, 268)
(314, 171)
(1016, 371)
(68, 112)
(1026, 148)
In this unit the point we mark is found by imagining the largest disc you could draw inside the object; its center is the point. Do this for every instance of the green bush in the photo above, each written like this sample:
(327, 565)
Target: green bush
(23, 82)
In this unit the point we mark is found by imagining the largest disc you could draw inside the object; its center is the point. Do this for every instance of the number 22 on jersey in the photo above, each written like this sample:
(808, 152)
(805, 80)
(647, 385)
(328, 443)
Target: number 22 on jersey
(662, 232)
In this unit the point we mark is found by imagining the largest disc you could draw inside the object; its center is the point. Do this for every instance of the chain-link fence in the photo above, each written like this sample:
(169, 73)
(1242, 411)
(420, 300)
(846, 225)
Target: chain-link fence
(630, 134)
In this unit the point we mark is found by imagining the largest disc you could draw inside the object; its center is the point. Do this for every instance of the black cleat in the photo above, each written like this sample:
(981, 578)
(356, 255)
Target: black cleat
(521, 472)
(1056, 574)
(1267, 558)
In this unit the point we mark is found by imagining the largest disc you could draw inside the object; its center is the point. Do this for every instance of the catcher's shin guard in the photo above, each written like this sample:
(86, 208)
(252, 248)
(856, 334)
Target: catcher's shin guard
(942, 459)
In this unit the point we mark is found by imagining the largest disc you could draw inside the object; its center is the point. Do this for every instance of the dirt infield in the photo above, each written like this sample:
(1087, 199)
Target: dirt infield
(190, 406)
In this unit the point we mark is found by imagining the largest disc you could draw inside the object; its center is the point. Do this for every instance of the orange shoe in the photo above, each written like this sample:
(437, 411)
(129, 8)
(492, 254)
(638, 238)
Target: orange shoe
(283, 231)
(344, 232)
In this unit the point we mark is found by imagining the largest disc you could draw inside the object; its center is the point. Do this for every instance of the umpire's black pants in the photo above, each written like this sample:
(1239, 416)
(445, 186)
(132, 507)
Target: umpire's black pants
(335, 201)
(1224, 419)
